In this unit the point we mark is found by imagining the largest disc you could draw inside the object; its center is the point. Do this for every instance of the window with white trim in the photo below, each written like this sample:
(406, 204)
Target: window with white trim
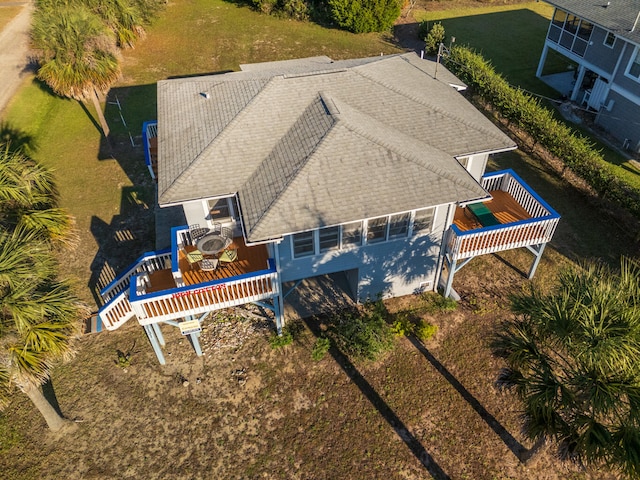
(399, 225)
(610, 39)
(351, 234)
(303, 244)
(634, 65)
(377, 229)
(464, 161)
(423, 221)
(328, 239)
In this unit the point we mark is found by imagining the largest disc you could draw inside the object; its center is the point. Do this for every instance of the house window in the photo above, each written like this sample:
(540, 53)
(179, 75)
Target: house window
(352, 234)
(634, 66)
(610, 39)
(303, 244)
(221, 209)
(464, 161)
(399, 225)
(329, 238)
(377, 229)
(423, 221)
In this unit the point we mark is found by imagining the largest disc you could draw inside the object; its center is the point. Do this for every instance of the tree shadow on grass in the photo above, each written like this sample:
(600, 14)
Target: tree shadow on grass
(383, 408)
(519, 450)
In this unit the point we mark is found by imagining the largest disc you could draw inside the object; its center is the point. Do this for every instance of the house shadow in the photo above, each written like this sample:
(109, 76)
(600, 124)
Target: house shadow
(519, 450)
(383, 408)
(129, 234)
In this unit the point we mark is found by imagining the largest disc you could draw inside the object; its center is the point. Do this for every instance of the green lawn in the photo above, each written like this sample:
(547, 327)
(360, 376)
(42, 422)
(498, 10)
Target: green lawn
(516, 54)
(7, 14)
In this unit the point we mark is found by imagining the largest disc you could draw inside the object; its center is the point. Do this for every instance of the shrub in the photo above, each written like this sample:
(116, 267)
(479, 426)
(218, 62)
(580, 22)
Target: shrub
(320, 348)
(363, 16)
(574, 150)
(425, 330)
(405, 324)
(434, 38)
(278, 341)
(363, 333)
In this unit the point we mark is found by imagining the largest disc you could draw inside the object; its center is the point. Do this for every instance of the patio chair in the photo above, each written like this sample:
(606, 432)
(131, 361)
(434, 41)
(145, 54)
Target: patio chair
(196, 232)
(193, 257)
(208, 264)
(228, 256)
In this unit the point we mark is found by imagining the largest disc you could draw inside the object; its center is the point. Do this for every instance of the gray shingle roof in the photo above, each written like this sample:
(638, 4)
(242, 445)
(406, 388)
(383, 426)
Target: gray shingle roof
(325, 143)
(618, 17)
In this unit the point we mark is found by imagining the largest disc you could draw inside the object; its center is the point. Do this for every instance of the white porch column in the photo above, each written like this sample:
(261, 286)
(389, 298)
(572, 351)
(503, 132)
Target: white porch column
(576, 88)
(543, 59)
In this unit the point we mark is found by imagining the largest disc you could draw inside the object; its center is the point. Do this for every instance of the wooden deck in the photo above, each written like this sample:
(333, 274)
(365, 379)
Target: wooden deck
(250, 259)
(503, 206)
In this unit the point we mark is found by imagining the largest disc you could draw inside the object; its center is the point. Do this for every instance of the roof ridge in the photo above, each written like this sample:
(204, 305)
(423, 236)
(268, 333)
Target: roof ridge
(415, 98)
(397, 146)
(301, 164)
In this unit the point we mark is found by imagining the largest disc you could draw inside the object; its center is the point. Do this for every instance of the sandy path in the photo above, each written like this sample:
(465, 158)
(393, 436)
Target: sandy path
(14, 52)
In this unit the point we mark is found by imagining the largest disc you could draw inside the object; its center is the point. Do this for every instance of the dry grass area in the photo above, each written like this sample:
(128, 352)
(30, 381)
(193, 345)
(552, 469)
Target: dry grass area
(245, 410)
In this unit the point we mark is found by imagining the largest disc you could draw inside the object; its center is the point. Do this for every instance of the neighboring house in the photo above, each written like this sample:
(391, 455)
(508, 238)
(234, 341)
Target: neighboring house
(355, 170)
(602, 38)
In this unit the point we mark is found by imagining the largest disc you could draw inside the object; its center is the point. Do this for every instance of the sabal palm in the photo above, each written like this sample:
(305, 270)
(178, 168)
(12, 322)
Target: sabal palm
(28, 198)
(38, 316)
(76, 53)
(573, 358)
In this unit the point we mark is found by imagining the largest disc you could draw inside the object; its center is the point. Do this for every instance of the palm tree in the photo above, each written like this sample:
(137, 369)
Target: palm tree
(76, 52)
(38, 313)
(28, 198)
(573, 359)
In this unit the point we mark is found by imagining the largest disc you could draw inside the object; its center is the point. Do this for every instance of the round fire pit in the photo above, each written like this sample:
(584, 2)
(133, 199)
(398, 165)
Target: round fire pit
(211, 244)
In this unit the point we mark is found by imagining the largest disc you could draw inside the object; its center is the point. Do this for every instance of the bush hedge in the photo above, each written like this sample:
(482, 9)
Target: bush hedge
(526, 112)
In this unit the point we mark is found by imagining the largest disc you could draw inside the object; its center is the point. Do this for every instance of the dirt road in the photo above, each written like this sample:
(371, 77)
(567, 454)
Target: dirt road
(14, 52)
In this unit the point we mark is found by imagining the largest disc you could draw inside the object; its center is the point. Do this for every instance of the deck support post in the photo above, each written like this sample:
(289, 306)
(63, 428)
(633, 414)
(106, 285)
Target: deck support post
(453, 267)
(278, 309)
(158, 332)
(538, 255)
(195, 342)
(154, 343)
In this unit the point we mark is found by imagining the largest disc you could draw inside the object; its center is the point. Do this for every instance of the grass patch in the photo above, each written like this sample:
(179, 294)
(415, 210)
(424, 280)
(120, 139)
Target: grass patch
(483, 28)
(234, 35)
(7, 14)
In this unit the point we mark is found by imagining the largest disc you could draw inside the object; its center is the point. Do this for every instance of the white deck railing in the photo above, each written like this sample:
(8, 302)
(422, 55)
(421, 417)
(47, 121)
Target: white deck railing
(205, 297)
(148, 262)
(149, 130)
(533, 231)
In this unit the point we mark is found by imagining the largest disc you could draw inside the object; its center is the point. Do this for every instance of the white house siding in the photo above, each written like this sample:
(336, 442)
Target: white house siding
(477, 165)
(393, 268)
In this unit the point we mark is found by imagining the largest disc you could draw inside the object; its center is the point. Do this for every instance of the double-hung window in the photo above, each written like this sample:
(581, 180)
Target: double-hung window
(351, 234)
(328, 239)
(423, 221)
(634, 66)
(610, 39)
(303, 244)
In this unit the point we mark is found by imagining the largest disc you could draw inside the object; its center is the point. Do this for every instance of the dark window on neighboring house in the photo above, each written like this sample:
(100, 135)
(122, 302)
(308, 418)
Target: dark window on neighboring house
(610, 39)
(634, 67)
(570, 31)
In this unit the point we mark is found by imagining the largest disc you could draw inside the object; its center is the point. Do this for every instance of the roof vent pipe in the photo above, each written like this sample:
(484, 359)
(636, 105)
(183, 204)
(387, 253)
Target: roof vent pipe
(635, 24)
(205, 95)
